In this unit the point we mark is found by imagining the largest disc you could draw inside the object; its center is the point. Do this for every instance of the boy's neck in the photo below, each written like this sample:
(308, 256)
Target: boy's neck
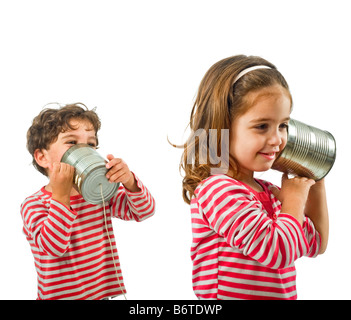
(74, 192)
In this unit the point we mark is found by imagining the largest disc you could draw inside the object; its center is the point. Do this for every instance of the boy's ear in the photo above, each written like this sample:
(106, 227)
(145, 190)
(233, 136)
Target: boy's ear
(41, 158)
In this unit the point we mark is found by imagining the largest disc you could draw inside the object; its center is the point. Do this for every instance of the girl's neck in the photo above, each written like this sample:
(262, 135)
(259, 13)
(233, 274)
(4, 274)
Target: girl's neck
(248, 179)
(252, 183)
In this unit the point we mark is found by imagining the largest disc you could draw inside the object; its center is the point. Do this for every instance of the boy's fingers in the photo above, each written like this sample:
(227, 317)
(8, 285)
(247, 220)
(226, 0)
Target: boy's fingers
(120, 177)
(116, 167)
(56, 167)
(116, 170)
(70, 169)
(116, 176)
(62, 168)
(113, 162)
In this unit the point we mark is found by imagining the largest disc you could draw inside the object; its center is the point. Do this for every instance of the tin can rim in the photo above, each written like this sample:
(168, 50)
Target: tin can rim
(72, 149)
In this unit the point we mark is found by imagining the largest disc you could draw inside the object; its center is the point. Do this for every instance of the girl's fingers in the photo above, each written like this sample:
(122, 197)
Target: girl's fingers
(285, 176)
(275, 191)
(304, 179)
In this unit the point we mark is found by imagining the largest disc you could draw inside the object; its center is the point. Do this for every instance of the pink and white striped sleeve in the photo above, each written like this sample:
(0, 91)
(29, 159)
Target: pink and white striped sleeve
(233, 213)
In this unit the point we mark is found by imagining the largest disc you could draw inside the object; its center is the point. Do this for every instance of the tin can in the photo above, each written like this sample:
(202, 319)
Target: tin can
(310, 152)
(90, 173)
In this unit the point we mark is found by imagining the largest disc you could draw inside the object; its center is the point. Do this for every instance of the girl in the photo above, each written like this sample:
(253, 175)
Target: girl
(247, 233)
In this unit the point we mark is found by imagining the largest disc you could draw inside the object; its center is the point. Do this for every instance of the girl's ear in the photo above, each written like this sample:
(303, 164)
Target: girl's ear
(41, 158)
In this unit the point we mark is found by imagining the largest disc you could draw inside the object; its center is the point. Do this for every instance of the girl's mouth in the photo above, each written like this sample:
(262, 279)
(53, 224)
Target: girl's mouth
(268, 155)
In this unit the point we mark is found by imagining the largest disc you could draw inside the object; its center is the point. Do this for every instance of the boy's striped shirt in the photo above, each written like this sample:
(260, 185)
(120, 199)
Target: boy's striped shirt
(71, 249)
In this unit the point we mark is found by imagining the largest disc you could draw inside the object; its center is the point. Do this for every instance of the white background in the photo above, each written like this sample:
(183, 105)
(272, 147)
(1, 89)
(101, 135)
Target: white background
(140, 63)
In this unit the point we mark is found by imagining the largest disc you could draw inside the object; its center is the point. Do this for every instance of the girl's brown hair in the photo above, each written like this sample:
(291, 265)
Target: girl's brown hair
(219, 101)
(50, 122)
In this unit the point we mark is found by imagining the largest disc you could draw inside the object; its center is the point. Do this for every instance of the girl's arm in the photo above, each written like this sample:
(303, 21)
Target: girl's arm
(293, 196)
(317, 210)
(232, 212)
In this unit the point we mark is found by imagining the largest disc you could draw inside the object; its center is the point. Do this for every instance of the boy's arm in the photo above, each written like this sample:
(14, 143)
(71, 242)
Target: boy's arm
(133, 200)
(49, 228)
(128, 205)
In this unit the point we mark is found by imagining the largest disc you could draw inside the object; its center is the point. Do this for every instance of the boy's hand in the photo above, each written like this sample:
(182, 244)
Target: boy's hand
(61, 182)
(119, 172)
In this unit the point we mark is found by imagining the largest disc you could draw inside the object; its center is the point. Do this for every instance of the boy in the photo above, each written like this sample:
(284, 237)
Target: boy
(69, 238)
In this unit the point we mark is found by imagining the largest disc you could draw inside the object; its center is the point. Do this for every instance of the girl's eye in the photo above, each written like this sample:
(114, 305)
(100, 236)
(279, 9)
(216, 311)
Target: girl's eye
(92, 145)
(262, 126)
(284, 126)
(71, 142)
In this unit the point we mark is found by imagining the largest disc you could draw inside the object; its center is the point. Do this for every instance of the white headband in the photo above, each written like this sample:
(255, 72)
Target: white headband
(245, 71)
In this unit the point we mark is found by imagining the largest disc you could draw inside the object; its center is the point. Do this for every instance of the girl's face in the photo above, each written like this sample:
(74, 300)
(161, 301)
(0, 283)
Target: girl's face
(260, 134)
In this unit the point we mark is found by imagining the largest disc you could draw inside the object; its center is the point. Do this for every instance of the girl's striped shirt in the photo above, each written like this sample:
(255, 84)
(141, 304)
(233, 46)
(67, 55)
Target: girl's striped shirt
(71, 248)
(243, 246)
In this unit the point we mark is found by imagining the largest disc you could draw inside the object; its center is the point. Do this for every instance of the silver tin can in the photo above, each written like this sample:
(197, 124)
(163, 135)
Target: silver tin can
(309, 152)
(90, 173)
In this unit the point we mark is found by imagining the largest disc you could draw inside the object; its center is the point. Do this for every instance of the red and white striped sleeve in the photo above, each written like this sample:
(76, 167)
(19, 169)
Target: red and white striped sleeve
(312, 235)
(313, 238)
(233, 212)
(128, 205)
(49, 227)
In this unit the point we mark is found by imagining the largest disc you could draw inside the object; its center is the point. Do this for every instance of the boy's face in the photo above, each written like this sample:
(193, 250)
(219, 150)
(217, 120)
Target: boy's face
(83, 133)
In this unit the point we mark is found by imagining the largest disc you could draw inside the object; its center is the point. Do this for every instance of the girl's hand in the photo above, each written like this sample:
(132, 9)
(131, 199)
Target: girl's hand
(119, 172)
(293, 195)
(61, 182)
(297, 187)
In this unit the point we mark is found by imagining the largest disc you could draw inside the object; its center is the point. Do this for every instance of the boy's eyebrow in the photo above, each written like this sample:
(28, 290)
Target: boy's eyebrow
(72, 135)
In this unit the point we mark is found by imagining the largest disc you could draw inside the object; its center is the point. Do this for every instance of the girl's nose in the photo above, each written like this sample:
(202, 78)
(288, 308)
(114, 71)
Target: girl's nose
(275, 138)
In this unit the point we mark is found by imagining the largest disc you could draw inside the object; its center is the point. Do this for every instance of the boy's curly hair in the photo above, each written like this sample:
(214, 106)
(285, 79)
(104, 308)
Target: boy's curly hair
(50, 123)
